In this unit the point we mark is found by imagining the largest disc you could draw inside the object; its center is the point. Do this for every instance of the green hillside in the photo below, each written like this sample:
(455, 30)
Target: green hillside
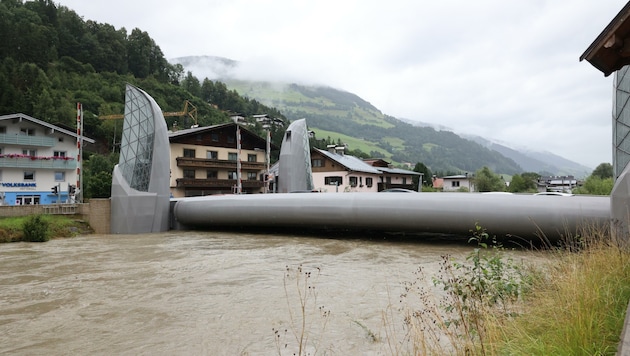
(341, 115)
(51, 58)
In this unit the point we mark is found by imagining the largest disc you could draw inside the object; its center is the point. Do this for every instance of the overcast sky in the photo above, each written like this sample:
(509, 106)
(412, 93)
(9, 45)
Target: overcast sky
(504, 70)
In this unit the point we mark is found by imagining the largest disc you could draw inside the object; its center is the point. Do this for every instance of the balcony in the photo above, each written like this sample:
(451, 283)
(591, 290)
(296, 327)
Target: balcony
(216, 183)
(27, 162)
(23, 140)
(186, 162)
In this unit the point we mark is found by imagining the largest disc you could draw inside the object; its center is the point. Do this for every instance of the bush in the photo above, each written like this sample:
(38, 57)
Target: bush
(36, 229)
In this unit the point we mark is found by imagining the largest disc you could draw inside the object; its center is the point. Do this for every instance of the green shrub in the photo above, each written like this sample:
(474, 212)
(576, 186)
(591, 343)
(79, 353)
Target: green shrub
(36, 229)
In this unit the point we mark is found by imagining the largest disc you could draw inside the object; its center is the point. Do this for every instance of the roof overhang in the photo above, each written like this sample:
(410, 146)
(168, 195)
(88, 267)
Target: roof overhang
(611, 49)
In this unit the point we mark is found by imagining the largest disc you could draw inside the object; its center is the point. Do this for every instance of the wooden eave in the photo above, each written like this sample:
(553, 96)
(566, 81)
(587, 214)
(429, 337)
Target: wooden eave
(611, 49)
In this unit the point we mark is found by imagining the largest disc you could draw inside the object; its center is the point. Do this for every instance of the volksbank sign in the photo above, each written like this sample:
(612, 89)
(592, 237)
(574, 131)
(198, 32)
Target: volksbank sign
(19, 185)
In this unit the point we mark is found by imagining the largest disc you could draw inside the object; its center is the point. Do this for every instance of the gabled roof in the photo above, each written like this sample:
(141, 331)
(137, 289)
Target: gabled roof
(398, 171)
(355, 164)
(376, 162)
(21, 116)
(611, 49)
(458, 176)
(203, 129)
(196, 130)
(350, 162)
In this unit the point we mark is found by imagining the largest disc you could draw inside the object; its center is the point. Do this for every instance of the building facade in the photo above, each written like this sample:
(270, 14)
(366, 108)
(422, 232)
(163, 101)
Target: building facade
(559, 184)
(140, 194)
(458, 182)
(336, 172)
(205, 161)
(38, 161)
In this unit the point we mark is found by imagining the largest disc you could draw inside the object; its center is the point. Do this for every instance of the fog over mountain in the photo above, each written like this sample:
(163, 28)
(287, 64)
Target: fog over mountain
(229, 71)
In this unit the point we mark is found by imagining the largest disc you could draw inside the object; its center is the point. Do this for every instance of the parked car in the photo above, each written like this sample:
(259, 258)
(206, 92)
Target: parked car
(557, 194)
(397, 190)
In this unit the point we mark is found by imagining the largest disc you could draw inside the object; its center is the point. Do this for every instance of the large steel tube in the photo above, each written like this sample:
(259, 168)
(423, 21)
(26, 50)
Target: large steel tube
(527, 216)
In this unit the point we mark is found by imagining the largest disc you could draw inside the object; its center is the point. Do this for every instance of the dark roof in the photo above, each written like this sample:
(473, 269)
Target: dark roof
(202, 129)
(196, 130)
(611, 49)
(43, 123)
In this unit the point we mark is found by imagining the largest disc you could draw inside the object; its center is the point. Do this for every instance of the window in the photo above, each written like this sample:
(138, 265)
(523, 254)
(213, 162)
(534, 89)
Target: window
(212, 155)
(230, 139)
(212, 174)
(404, 180)
(60, 176)
(59, 154)
(232, 175)
(60, 139)
(333, 180)
(353, 181)
(27, 132)
(29, 175)
(317, 162)
(369, 182)
(252, 176)
(3, 129)
(455, 183)
(189, 153)
(214, 137)
(251, 157)
(232, 156)
(29, 152)
(189, 173)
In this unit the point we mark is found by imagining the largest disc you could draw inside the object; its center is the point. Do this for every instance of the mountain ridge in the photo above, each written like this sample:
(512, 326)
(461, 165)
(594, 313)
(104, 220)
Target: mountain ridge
(333, 110)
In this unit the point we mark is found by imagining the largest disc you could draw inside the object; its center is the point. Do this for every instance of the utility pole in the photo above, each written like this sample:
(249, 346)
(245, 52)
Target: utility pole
(239, 183)
(267, 160)
(79, 194)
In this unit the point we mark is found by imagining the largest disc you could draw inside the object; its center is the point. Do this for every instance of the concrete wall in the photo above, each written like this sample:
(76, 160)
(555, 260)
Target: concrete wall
(99, 215)
(96, 212)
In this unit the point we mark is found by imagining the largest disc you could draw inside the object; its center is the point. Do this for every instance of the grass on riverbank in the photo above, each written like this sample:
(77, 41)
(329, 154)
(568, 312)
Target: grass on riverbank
(574, 303)
(576, 307)
(11, 228)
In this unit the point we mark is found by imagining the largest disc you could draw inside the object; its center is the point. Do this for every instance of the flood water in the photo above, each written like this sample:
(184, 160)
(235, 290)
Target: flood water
(206, 293)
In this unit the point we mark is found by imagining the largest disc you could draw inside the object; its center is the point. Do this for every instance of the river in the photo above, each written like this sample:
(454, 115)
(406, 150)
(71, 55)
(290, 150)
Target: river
(208, 293)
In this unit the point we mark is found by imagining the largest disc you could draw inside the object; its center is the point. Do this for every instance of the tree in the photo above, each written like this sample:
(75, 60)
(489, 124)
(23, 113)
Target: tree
(98, 176)
(525, 182)
(603, 171)
(486, 181)
(426, 175)
(594, 185)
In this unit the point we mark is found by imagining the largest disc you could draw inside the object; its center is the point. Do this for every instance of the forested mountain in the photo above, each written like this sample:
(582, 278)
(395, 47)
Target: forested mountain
(545, 163)
(51, 59)
(347, 117)
(330, 112)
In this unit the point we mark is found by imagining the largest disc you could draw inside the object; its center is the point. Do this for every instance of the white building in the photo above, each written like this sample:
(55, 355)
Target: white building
(336, 172)
(457, 182)
(36, 156)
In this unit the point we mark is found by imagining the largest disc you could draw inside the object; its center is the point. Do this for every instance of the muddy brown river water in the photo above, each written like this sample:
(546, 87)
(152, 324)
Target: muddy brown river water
(206, 293)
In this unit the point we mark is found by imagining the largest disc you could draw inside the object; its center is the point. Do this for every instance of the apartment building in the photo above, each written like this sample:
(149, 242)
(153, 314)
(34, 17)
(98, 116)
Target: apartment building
(205, 161)
(38, 161)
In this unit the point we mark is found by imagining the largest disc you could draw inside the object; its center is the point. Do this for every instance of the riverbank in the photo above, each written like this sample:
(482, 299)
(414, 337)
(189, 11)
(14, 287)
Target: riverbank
(12, 228)
(576, 306)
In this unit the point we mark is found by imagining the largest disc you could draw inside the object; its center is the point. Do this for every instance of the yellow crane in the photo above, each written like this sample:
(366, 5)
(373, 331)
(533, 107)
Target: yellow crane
(190, 110)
